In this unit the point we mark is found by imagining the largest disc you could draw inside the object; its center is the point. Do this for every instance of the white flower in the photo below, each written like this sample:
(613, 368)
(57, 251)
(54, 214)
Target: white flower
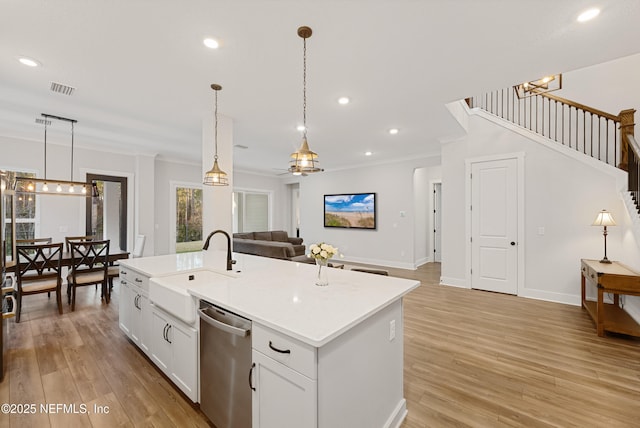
(322, 251)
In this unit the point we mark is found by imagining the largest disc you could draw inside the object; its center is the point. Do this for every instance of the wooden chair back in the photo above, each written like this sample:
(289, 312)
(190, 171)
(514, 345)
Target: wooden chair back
(39, 270)
(69, 239)
(89, 256)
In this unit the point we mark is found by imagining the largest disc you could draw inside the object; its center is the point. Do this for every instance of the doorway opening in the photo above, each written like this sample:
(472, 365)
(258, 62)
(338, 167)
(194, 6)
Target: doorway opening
(106, 215)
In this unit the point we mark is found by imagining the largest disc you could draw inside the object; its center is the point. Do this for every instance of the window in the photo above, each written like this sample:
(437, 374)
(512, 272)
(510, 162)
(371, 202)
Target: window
(26, 209)
(187, 217)
(251, 211)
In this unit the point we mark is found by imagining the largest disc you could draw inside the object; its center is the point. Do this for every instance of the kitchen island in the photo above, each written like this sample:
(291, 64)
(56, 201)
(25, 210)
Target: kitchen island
(343, 364)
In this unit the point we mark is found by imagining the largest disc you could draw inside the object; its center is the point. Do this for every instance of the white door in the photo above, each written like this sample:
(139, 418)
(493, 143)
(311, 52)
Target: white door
(494, 226)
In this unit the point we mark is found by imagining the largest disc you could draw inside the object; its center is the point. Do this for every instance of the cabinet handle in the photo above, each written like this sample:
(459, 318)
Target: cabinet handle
(282, 351)
(164, 332)
(137, 280)
(135, 301)
(253, 366)
(168, 330)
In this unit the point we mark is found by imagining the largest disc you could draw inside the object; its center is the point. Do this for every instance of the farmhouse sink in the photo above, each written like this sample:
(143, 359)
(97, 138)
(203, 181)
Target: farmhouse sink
(170, 292)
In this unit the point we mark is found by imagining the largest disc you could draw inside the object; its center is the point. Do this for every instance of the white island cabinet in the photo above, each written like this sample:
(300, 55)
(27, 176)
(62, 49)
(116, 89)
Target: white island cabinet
(135, 313)
(322, 357)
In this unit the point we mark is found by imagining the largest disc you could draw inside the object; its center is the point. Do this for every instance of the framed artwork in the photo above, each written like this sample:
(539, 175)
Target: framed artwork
(350, 210)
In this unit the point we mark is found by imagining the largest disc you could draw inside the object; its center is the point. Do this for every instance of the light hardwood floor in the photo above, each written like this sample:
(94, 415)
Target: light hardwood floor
(471, 359)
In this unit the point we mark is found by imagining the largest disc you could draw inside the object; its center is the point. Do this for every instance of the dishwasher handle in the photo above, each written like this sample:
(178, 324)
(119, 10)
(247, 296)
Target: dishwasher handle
(222, 326)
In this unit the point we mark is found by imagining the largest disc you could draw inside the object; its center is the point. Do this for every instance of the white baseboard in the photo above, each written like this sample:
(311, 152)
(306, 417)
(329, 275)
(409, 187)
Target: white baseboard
(423, 261)
(550, 296)
(454, 282)
(376, 262)
(398, 415)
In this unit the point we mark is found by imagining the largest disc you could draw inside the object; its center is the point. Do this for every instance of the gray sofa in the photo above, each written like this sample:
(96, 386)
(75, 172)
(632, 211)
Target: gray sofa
(276, 244)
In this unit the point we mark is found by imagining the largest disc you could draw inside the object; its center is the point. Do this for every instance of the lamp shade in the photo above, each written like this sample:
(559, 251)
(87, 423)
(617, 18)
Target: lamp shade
(604, 218)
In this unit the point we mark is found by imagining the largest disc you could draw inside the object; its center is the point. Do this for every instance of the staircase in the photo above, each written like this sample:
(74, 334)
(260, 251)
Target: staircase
(601, 135)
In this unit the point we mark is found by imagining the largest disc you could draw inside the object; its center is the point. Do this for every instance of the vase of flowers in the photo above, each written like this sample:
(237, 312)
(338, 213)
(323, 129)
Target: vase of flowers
(322, 252)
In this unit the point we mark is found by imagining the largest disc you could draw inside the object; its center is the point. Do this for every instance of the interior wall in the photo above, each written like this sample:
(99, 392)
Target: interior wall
(392, 243)
(562, 197)
(69, 218)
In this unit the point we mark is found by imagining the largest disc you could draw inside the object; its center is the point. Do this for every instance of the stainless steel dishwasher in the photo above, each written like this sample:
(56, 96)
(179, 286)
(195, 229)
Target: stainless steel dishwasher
(225, 366)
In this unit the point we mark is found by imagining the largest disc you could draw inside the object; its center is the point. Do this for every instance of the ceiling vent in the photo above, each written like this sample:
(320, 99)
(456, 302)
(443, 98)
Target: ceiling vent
(62, 88)
(40, 121)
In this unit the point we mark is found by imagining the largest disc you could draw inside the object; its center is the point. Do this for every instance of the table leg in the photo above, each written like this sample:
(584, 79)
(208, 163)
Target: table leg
(582, 283)
(600, 312)
(616, 299)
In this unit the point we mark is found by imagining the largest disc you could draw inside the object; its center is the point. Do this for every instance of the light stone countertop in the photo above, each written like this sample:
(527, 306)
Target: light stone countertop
(281, 294)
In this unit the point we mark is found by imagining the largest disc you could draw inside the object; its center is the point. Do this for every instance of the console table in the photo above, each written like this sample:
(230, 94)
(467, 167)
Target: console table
(617, 279)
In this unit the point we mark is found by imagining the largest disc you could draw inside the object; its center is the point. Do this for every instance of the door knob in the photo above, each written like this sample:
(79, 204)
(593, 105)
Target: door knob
(513, 243)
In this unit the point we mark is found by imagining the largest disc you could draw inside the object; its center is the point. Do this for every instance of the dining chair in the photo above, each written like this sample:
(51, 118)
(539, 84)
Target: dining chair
(69, 239)
(89, 264)
(39, 270)
(114, 269)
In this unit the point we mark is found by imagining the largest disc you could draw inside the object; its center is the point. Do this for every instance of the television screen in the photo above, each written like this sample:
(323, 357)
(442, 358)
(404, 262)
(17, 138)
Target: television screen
(352, 210)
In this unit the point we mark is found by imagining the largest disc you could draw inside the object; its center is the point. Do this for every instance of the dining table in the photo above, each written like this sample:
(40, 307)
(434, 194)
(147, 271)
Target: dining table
(67, 259)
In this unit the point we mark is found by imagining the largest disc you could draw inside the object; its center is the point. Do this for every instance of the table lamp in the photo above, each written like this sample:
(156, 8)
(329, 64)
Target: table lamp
(605, 219)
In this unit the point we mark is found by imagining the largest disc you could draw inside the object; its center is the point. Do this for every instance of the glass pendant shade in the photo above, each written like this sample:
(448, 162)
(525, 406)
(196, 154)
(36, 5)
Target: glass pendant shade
(215, 176)
(304, 160)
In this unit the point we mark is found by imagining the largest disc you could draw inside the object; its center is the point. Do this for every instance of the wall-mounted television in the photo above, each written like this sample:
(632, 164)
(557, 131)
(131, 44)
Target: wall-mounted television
(350, 210)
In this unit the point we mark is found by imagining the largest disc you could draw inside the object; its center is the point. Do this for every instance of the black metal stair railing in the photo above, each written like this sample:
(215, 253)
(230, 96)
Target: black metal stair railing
(634, 171)
(587, 130)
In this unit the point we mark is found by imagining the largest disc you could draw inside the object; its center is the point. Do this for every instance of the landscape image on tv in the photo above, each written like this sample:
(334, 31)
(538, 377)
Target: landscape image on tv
(355, 210)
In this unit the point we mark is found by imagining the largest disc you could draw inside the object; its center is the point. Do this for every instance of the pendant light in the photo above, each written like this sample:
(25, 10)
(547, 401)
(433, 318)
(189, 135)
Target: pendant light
(40, 186)
(304, 160)
(215, 176)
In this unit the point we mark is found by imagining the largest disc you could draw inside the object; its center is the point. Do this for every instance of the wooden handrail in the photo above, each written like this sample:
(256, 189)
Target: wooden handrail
(591, 110)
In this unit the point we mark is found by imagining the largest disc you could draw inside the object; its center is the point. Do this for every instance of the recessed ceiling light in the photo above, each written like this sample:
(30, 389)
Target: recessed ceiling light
(343, 100)
(394, 131)
(300, 128)
(368, 153)
(211, 43)
(588, 15)
(30, 62)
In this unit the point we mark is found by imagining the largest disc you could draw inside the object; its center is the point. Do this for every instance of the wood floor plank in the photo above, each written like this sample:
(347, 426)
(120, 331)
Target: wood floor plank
(65, 407)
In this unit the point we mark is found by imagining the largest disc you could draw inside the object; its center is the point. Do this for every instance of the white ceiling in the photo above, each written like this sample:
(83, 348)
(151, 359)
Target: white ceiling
(143, 75)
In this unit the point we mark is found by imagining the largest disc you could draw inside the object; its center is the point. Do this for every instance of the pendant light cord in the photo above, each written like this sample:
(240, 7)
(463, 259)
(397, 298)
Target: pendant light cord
(45, 148)
(215, 128)
(71, 151)
(304, 87)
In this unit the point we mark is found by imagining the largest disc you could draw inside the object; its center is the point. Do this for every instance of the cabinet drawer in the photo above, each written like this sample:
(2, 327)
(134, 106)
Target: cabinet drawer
(134, 278)
(288, 351)
(589, 273)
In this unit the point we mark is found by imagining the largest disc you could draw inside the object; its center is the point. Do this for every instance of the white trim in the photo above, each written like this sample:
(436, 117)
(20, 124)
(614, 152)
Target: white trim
(173, 186)
(376, 262)
(454, 282)
(397, 417)
(549, 296)
(519, 157)
(131, 212)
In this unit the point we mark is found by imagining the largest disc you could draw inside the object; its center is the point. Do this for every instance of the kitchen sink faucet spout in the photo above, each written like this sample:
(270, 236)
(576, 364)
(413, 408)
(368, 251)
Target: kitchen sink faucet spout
(230, 261)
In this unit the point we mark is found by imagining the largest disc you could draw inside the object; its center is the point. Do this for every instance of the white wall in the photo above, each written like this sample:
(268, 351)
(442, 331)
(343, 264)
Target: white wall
(392, 243)
(562, 195)
(65, 216)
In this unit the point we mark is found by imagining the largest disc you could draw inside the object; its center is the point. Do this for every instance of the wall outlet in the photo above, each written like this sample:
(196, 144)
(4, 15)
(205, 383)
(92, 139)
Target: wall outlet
(392, 330)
